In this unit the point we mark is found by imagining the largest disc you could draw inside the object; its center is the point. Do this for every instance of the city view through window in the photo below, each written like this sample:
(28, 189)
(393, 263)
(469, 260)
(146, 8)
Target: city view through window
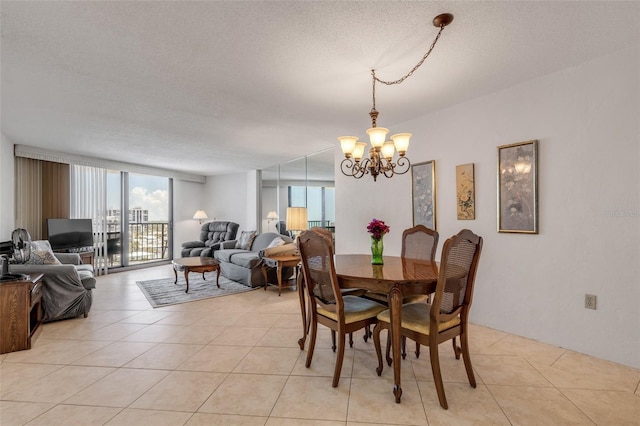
(142, 234)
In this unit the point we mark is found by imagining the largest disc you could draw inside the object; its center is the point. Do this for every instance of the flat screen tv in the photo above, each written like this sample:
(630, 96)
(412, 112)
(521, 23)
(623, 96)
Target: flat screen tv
(72, 235)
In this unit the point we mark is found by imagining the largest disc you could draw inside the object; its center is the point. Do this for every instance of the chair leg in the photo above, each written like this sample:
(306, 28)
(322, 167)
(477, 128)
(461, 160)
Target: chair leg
(417, 350)
(367, 332)
(333, 340)
(312, 343)
(376, 343)
(388, 351)
(456, 348)
(350, 340)
(467, 359)
(404, 347)
(339, 359)
(437, 375)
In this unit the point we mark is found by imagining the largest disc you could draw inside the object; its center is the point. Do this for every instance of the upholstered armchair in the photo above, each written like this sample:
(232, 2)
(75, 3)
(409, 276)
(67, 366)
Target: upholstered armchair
(68, 284)
(212, 237)
(281, 226)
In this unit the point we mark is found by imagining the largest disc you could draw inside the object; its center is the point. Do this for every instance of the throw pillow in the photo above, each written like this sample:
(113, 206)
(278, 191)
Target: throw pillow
(277, 241)
(42, 257)
(245, 240)
(42, 254)
(42, 245)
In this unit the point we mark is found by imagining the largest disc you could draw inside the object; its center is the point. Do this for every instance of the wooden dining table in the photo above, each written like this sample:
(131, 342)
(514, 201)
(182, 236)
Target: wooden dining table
(397, 277)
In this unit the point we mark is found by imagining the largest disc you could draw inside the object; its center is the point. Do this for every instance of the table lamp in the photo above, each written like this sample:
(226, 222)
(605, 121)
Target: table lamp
(297, 219)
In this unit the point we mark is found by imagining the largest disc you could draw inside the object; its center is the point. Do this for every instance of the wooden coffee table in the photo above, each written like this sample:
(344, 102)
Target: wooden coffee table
(195, 264)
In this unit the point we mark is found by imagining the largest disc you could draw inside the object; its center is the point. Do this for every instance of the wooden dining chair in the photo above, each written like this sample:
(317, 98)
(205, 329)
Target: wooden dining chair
(418, 243)
(341, 314)
(447, 316)
(306, 321)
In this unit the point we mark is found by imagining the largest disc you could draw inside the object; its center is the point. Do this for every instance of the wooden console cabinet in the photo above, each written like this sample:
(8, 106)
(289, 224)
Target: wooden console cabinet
(87, 257)
(20, 313)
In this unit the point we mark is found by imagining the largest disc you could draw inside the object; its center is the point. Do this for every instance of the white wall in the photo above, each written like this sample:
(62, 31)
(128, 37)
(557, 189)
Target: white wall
(7, 189)
(233, 198)
(187, 199)
(586, 119)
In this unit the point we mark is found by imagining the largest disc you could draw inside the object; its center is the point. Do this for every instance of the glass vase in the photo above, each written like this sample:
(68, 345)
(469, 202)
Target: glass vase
(376, 251)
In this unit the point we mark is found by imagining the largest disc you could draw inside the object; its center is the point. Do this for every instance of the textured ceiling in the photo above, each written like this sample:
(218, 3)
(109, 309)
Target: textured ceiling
(216, 87)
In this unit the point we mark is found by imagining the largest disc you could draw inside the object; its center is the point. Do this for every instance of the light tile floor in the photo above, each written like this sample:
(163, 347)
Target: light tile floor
(235, 361)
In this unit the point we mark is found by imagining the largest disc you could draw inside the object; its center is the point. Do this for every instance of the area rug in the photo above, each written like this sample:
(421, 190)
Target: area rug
(163, 292)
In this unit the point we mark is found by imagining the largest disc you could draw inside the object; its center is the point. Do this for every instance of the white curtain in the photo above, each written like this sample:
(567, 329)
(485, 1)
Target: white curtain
(89, 201)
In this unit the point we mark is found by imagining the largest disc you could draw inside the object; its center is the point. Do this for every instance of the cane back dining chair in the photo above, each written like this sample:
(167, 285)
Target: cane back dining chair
(345, 291)
(446, 317)
(418, 243)
(341, 314)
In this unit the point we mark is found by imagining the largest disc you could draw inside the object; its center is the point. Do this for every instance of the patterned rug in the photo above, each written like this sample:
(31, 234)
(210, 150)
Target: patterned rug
(163, 292)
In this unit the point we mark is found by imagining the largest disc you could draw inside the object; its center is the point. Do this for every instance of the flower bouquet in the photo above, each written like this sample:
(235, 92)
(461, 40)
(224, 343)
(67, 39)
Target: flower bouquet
(377, 229)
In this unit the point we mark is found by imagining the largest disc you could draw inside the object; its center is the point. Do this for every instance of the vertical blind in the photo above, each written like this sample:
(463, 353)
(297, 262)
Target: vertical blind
(89, 201)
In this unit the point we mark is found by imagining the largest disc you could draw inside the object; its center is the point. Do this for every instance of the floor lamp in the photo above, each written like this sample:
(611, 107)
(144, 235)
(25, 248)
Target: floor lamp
(271, 216)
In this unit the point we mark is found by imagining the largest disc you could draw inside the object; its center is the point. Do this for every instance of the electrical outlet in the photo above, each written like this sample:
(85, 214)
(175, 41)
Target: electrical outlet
(590, 301)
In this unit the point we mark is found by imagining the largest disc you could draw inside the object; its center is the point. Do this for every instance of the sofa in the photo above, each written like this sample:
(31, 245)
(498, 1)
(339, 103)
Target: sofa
(68, 286)
(244, 265)
(212, 235)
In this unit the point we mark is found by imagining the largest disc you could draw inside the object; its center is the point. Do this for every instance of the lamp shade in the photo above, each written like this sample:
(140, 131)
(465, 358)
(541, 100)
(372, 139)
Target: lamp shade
(377, 136)
(297, 218)
(401, 141)
(200, 214)
(358, 151)
(272, 215)
(347, 143)
(388, 148)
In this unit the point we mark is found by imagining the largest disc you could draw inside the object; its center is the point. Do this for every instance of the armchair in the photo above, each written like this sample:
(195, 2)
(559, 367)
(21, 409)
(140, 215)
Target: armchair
(213, 235)
(67, 289)
(281, 226)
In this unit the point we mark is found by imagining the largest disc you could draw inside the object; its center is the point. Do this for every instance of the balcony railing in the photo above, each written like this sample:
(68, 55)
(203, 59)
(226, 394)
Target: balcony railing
(148, 242)
(322, 224)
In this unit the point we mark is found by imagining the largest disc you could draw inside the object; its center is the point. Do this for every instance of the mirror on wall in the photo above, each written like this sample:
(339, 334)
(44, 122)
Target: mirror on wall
(269, 199)
(321, 190)
(302, 182)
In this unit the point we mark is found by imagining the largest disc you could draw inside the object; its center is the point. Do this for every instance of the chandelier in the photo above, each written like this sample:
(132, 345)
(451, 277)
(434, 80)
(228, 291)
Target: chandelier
(380, 159)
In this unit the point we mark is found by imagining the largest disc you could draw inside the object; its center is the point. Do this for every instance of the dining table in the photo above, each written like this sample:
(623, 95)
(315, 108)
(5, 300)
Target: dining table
(397, 277)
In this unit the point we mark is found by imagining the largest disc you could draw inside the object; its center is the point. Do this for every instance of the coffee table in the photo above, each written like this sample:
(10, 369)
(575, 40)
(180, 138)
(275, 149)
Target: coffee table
(195, 264)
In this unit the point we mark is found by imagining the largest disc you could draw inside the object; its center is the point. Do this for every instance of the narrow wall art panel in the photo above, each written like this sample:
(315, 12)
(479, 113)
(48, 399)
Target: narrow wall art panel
(423, 190)
(465, 192)
(518, 187)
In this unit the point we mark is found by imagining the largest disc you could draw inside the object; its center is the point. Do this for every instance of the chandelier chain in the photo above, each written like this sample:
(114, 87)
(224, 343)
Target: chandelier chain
(409, 74)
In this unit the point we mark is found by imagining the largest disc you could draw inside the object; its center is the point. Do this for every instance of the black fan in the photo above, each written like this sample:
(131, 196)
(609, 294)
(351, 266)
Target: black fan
(21, 245)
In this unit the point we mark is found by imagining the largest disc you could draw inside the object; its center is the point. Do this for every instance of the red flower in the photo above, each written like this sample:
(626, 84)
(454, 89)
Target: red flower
(377, 228)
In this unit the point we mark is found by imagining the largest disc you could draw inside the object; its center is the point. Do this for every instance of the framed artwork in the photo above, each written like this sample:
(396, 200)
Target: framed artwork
(465, 192)
(423, 190)
(518, 187)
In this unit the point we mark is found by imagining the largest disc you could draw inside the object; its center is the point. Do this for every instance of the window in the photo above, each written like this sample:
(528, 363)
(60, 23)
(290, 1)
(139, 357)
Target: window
(141, 235)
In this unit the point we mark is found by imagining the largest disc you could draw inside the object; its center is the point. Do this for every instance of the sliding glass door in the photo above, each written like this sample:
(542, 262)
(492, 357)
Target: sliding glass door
(149, 199)
(139, 217)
